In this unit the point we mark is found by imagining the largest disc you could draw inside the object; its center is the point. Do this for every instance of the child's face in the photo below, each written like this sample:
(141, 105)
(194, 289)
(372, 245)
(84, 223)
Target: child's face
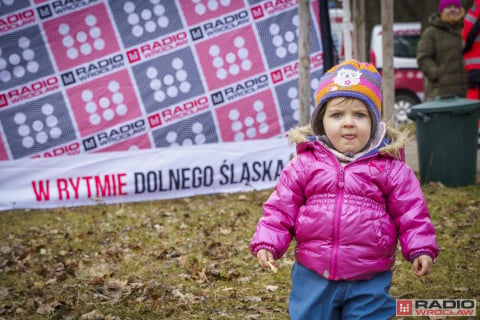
(347, 124)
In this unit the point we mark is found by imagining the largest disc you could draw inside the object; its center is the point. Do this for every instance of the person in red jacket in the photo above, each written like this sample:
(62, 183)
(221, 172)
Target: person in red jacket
(347, 198)
(471, 52)
(471, 49)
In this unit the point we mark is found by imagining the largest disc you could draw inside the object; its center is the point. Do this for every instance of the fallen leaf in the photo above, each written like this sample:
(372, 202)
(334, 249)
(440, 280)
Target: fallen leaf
(271, 288)
(93, 315)
(45, 309)
(3, 292)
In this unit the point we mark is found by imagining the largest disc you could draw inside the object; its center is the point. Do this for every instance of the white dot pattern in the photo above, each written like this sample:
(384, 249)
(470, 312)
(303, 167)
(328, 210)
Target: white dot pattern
(83, 42)
(198, 138)
(6, 2)
(21, 62)
(293, 96)
(232, 62)
(211, 5)
(284, 43)
(146, 20)
(294, 99)
(40, 130)
(250, 127)
(165, 85)
(105, 107)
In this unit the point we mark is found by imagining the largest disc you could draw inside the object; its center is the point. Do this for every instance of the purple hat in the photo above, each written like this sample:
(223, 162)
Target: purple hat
(352, 79)
(444, 3)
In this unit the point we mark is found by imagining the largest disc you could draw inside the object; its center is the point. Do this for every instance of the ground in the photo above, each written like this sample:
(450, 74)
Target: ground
(190, 259)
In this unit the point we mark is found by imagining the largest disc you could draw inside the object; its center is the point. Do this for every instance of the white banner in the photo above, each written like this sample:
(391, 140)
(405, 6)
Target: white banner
(82, 79)
(142, 175)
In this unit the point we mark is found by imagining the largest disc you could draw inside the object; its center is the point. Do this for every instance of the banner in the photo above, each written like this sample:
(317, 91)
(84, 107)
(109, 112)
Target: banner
(84, 77)
(117, 177)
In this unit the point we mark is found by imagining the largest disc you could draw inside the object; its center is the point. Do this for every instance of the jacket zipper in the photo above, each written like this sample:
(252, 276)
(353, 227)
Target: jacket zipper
(338, 212)
(336, 223)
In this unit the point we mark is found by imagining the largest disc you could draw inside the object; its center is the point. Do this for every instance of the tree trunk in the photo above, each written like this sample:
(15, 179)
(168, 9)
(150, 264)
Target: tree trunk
(360, 40)
(304, 59)
(388, 80)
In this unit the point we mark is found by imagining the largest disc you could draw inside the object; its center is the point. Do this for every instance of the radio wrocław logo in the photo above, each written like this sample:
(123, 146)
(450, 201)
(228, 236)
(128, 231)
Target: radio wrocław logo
(138, 142)
(15, 14)
(113, 135)
(433, 308)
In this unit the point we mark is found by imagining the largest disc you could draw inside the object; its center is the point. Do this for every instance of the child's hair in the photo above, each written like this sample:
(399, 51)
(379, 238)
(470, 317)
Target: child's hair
(350, 79)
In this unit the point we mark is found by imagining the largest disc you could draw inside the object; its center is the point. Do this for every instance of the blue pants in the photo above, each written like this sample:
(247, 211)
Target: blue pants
(314, 297)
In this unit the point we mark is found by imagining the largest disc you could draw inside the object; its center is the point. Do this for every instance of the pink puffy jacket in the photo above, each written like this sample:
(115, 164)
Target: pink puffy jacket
(346, 219)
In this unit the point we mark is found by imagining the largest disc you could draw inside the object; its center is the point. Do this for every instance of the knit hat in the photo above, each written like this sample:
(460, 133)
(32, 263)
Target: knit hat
(444, 3)
(352, 79)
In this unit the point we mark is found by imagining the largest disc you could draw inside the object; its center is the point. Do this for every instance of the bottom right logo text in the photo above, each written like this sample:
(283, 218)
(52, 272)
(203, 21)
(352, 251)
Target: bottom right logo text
(437, 307)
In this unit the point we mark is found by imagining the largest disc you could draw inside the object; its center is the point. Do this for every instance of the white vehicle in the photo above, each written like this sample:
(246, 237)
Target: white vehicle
(336, 20)
(408, 77)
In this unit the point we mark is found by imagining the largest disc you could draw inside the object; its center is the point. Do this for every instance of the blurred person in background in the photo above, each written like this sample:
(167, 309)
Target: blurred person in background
(439, 52)
(471, 49)
(471, 52)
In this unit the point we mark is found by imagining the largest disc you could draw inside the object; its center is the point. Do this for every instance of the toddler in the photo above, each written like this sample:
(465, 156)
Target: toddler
(346, 198)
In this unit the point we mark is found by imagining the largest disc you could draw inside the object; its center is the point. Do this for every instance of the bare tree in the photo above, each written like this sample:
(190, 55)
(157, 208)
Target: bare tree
(387, 69)
(304, 59)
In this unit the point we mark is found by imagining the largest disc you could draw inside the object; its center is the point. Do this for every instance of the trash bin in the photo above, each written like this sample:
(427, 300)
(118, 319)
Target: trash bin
(447, 130)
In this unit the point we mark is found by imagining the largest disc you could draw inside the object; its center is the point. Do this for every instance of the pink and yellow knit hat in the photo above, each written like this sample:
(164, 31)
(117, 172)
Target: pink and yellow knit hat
(351, 79)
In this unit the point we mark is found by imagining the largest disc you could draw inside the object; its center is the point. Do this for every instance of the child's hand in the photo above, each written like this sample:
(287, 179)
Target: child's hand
(422, 265)
(266, 260)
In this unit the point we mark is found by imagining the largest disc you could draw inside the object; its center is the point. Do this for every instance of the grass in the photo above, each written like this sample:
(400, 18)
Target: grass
(190, 259)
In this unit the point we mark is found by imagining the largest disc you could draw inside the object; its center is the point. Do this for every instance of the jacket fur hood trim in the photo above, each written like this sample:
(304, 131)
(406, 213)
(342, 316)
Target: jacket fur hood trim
(394, 146)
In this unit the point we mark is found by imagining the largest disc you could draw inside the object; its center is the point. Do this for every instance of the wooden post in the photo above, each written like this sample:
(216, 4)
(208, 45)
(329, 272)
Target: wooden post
(360, 39)
(388, 81)
(304, 61)
(347, 30)
(329, 58)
